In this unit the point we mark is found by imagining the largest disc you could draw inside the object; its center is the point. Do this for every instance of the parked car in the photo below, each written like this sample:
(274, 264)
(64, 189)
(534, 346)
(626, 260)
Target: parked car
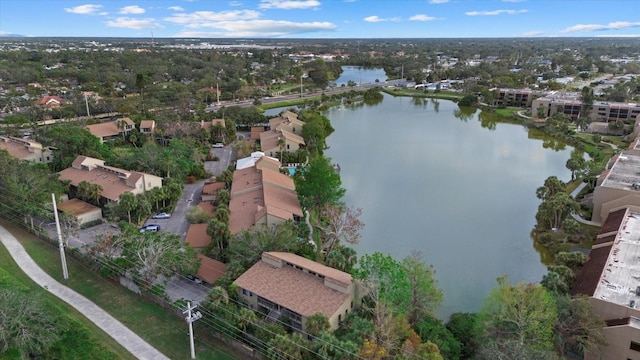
(195, 279)
(218, 145)
(150, 227)
(163, 215)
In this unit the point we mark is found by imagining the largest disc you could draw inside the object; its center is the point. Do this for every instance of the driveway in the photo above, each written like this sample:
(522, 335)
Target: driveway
(191, 193)
(225, 156)
(179, 287)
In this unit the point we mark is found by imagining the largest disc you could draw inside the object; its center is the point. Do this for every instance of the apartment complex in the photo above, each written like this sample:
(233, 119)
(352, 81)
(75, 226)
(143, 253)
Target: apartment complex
(619, 185)
(611, 280)
(569, 103)
(114, 181)
(517, 97)
(25, 149)
(287, 285)
(261, 195)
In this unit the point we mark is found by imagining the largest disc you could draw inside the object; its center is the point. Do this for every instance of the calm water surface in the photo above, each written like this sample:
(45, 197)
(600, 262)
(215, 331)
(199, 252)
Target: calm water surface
(360, 74)
(460, 193)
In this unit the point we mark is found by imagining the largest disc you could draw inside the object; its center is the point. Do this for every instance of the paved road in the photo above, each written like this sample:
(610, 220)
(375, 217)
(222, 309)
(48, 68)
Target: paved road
(120, 333)
(327, 91)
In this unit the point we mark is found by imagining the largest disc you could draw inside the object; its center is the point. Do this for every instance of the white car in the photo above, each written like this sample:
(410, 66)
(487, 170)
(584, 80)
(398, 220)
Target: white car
(218, 145)
(161, 216)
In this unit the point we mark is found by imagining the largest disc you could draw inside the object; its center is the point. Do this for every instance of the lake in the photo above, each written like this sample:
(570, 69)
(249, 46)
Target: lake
(359, 74)
(457, 186)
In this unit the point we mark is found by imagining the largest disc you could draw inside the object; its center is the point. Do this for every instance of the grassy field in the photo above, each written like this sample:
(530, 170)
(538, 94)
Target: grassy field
(155, 324)
(63, 308)
(420, 93)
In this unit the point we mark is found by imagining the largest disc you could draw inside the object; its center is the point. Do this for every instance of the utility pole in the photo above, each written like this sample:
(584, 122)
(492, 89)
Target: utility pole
(190, 318)
(86, 103)
(218, 94)
(63, 259)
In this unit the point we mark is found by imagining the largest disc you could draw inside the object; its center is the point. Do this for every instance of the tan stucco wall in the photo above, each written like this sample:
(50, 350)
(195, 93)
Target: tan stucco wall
(604, 199)
(90, 216)
(618, 338)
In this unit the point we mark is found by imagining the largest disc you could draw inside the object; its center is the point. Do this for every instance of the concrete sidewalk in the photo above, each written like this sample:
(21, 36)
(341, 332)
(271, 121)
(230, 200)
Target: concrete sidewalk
(125, 337)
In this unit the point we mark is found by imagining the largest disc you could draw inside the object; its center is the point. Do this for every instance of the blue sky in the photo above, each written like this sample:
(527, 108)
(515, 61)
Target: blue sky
(320, 18)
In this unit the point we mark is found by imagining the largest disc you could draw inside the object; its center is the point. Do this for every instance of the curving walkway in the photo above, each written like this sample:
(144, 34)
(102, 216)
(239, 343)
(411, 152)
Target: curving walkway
(577, 217)
(125, 337)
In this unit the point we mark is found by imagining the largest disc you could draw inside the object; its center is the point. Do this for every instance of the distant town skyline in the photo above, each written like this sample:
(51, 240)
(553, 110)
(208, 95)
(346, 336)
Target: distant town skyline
(319, 18)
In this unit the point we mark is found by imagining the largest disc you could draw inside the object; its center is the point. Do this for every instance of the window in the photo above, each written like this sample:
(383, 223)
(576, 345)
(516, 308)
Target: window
(634, 346)
(246, 292)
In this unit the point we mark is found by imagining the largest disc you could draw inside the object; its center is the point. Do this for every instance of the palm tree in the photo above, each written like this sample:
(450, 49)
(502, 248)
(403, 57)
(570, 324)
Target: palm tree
(316, 324)
(95, 193)
(245, 318)
(281, 143)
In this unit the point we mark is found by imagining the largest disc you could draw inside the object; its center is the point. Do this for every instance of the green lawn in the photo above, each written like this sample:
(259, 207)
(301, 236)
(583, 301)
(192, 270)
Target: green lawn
(156, 325)
(63, 308)
(508, 111)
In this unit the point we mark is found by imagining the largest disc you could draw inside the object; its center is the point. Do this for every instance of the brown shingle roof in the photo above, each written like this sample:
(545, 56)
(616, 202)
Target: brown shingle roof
(212, 188)
(112, 186)
(108, 129)
(338, 276)
(208, 207)
(614, 219)
(294, 289)
(210, 270)
(255, 193)
(197, 236)
(589, 276)
(77, 207)
(147, 124)
(19, 148)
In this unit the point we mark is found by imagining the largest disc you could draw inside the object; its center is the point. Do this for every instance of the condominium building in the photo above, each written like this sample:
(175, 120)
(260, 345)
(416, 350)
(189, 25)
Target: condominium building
(611, 280)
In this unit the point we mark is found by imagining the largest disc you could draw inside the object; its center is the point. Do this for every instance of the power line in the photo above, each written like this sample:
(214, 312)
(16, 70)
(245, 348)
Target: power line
(148, 287)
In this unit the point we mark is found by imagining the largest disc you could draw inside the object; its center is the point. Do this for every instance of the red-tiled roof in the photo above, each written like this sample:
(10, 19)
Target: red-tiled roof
(197, 236)
(212, 188)
(210, 269)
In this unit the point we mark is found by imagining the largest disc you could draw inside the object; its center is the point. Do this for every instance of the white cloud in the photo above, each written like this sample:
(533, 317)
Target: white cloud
(176, 8)
(599, 27)
(375, 18)
(87, 9)
(235, 3)
(133, 9)
(422, 17)
(257, 28)
(131, 23)
(288, 4)
(495, 12)
(202, 18)
(513, 1)
(438, 1)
